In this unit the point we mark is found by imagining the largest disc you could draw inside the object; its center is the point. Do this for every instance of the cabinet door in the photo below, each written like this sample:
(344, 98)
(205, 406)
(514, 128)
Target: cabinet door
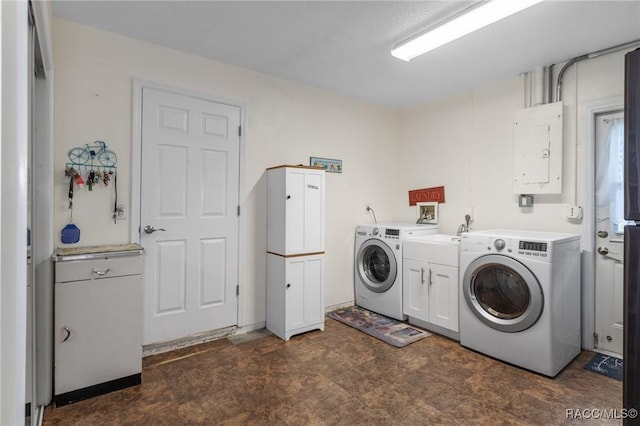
(443, 296)
(304, 224)
(304, 296)
(416, 289)
(98, 334)
(294, 222)
(314, 211)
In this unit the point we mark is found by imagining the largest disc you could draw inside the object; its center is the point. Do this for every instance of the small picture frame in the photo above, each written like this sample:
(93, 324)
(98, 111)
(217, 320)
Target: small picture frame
(427, 213)
(328, 164)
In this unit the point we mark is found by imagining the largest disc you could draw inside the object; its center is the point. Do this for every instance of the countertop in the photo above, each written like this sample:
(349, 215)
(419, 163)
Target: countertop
(96, 252)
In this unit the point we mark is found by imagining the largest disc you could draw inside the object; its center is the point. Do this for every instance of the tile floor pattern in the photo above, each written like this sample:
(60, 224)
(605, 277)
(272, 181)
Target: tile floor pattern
(342, 377)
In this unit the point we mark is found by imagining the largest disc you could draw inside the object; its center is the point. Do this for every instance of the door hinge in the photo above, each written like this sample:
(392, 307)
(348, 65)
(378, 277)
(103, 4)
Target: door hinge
(239, 130)
(238, 210)
(237, 290)
(595, 340)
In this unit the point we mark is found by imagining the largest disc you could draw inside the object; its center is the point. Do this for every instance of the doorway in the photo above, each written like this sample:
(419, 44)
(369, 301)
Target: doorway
(609, 232)
(189, 150)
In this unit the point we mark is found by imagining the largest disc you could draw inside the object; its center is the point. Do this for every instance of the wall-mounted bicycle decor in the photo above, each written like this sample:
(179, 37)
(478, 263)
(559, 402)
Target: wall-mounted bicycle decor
(90, 154)
(98, 164)
(94, 161)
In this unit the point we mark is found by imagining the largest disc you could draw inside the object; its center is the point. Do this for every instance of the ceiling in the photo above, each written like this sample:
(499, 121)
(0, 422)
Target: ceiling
(344, 46)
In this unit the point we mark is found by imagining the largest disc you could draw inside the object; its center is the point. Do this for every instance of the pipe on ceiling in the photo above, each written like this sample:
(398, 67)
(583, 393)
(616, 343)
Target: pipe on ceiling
(589, 56)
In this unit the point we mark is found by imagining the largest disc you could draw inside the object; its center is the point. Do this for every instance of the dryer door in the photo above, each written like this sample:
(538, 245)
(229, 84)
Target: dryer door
(503, 293)
(376, 265)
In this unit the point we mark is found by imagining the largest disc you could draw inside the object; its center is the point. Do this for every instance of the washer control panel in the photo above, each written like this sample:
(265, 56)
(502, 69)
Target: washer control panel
(393, 234)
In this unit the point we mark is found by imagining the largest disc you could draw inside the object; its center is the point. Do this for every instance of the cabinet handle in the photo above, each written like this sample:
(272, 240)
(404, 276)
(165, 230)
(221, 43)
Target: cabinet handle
(421, 275)
(288, 197)
(430, 282)
(101, 273)
(66, 329)
(288, 285)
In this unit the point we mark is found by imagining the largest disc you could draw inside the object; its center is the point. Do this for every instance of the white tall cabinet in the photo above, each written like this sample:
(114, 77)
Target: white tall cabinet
(295, 249)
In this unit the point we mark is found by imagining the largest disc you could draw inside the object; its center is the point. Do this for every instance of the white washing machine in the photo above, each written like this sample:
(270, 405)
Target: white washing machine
(378, 265)
(520, 297)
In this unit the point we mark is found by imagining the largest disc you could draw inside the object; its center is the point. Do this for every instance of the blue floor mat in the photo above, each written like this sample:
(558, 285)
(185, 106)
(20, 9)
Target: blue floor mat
(607, 365)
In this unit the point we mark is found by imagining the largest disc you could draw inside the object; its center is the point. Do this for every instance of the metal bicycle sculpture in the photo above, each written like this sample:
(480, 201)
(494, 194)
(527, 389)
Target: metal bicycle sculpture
(98, 151)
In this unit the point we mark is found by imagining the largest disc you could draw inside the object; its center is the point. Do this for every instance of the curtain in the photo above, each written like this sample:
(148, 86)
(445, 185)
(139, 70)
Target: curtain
(610, 179)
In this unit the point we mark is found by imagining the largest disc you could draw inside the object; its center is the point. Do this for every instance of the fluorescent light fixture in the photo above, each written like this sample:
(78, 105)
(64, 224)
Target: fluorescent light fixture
(475, 19)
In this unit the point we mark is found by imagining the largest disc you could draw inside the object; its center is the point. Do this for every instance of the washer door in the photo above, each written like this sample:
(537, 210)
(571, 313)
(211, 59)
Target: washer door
(503, 293)
(376, 265)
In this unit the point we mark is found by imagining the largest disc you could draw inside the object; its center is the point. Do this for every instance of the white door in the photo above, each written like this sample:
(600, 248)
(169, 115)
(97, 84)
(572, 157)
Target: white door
(189, 194)
(443, 296)
(416, 289)
(304, 301)
(609, 242)
(304, 215)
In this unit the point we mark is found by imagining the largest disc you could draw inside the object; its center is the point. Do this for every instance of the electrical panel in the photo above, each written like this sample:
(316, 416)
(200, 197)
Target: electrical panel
(537, 150)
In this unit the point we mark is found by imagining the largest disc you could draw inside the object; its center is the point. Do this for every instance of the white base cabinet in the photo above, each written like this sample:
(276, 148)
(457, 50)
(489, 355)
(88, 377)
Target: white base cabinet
(431, 293)
(98, 327)
(295, 294)
(430, 285)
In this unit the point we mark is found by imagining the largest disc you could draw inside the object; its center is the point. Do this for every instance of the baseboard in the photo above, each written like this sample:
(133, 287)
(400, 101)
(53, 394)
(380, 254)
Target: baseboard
(453, 335)
(194, 339)
(95, 390)
(338, 306)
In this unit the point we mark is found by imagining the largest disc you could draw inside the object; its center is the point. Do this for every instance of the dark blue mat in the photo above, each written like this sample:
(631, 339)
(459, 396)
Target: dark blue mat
(607, 365)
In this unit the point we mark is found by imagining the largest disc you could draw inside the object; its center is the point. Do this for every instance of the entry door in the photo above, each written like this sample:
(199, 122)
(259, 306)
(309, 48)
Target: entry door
(609, 239)
(189, 195)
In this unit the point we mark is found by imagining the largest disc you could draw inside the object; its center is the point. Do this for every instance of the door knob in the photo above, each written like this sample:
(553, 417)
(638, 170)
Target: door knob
(150, 229)
(603, 234)
(603, 250)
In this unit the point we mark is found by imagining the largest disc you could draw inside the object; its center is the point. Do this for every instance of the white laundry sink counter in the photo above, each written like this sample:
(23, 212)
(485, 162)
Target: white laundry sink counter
(435, 248)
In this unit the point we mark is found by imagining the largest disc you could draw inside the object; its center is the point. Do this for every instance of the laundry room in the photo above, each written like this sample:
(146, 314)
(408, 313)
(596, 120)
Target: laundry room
(460, 139)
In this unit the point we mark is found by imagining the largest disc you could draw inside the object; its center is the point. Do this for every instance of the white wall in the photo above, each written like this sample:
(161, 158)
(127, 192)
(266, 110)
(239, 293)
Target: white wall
(13, 209)
(286, 123)
(465, 143)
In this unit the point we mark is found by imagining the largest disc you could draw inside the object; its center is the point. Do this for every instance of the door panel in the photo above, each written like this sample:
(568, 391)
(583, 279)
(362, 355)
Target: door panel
(313, 311)
(295, 211)
(313, 211)
(189, 194)
(170, 285)
(609, 243)
(443, 300)
(295, 294)
(415, 289)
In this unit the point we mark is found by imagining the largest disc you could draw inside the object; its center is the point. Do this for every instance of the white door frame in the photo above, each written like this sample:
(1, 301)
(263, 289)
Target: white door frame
(136, 163)
(589, 111)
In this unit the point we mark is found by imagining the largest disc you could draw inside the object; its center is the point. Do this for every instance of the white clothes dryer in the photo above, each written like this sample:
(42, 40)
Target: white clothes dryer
(378, 265)
(520, 297)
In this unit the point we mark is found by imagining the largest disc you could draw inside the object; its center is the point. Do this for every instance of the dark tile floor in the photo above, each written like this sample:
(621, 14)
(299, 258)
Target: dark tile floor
(341, 377)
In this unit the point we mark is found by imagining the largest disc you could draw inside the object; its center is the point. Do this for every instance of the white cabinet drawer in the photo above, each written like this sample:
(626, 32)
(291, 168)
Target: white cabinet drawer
(78, 270)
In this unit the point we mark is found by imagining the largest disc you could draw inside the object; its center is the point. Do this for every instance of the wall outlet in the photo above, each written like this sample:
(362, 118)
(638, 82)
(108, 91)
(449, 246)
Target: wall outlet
(574, 212)
(121, 212)
(525, 200)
